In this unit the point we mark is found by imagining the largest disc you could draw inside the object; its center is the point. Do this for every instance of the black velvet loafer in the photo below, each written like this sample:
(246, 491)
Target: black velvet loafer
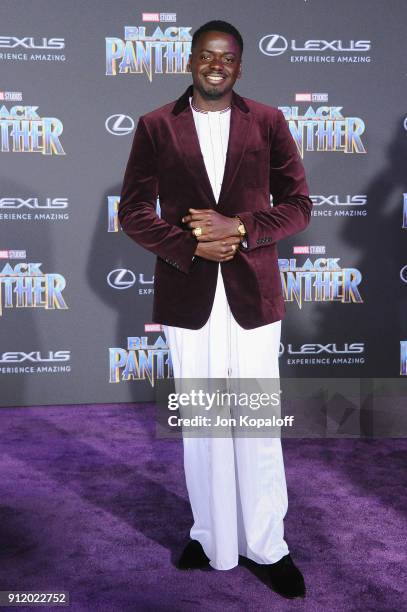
(286, 579)
(193, 557)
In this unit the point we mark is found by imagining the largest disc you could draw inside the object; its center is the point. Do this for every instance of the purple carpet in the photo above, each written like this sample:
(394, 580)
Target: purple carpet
(92, 503)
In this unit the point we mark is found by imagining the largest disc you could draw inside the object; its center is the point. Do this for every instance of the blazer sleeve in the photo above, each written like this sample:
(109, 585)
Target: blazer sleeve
(291, 210)
(137, 207)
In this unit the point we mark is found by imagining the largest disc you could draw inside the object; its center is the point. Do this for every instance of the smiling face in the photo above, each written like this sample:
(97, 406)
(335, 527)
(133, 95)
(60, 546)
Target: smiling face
(215, 64)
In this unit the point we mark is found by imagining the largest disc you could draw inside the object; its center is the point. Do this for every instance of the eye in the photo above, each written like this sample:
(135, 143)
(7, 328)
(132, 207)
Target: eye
(229, 60)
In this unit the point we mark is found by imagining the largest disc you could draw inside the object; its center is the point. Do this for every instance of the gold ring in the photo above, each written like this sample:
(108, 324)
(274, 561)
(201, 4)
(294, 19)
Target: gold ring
(197, 231)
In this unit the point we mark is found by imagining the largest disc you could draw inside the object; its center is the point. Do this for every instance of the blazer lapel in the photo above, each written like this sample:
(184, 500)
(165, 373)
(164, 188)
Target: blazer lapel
(238, 134)
(191, 151)
(240, 122)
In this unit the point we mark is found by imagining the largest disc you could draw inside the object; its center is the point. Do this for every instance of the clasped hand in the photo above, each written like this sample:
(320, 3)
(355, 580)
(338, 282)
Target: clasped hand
(219, 239)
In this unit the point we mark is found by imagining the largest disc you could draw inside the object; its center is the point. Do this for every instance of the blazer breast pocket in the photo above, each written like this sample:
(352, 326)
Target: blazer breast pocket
(255, 167)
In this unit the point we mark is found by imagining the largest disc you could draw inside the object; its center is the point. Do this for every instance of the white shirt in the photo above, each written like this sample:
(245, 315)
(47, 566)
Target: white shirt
(213, 134)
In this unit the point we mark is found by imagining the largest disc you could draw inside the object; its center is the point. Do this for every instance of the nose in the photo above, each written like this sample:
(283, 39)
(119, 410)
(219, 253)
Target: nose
(216, 63)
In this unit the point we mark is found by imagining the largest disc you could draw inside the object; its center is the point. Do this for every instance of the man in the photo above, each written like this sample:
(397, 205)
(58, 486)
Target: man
(214, 157)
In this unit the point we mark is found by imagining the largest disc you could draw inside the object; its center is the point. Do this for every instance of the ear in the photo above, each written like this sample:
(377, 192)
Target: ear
(239, 74)
(188, 67)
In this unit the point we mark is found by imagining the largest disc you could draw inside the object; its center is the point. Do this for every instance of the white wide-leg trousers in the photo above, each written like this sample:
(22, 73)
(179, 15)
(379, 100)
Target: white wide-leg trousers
(236, 485)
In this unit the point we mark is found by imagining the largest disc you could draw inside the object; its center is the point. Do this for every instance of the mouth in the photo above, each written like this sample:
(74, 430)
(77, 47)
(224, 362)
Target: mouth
(214, 79)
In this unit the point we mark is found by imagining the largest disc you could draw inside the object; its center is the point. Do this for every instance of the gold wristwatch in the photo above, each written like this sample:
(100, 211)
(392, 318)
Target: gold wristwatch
(241, 228)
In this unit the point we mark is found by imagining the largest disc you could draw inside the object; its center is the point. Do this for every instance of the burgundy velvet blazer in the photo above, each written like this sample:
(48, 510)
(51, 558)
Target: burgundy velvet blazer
(166, 159)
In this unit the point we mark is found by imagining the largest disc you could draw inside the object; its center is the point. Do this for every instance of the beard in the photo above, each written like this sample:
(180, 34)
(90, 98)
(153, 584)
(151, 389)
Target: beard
(210, 92)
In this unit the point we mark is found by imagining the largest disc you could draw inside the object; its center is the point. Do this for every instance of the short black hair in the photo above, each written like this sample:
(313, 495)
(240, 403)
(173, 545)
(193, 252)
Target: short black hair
(218, 26)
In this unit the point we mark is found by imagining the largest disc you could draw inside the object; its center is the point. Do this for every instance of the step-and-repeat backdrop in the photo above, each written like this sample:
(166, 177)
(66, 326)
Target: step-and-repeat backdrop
(76, 293)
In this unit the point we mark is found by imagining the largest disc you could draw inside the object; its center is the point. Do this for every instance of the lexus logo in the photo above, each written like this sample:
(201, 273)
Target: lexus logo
(121, 278)
(273, 44)
(403, 274)
(119, 125)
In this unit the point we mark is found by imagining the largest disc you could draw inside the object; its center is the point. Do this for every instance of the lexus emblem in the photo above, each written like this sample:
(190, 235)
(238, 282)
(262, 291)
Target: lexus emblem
(119, 125)
(121, 278)
(273, 44)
